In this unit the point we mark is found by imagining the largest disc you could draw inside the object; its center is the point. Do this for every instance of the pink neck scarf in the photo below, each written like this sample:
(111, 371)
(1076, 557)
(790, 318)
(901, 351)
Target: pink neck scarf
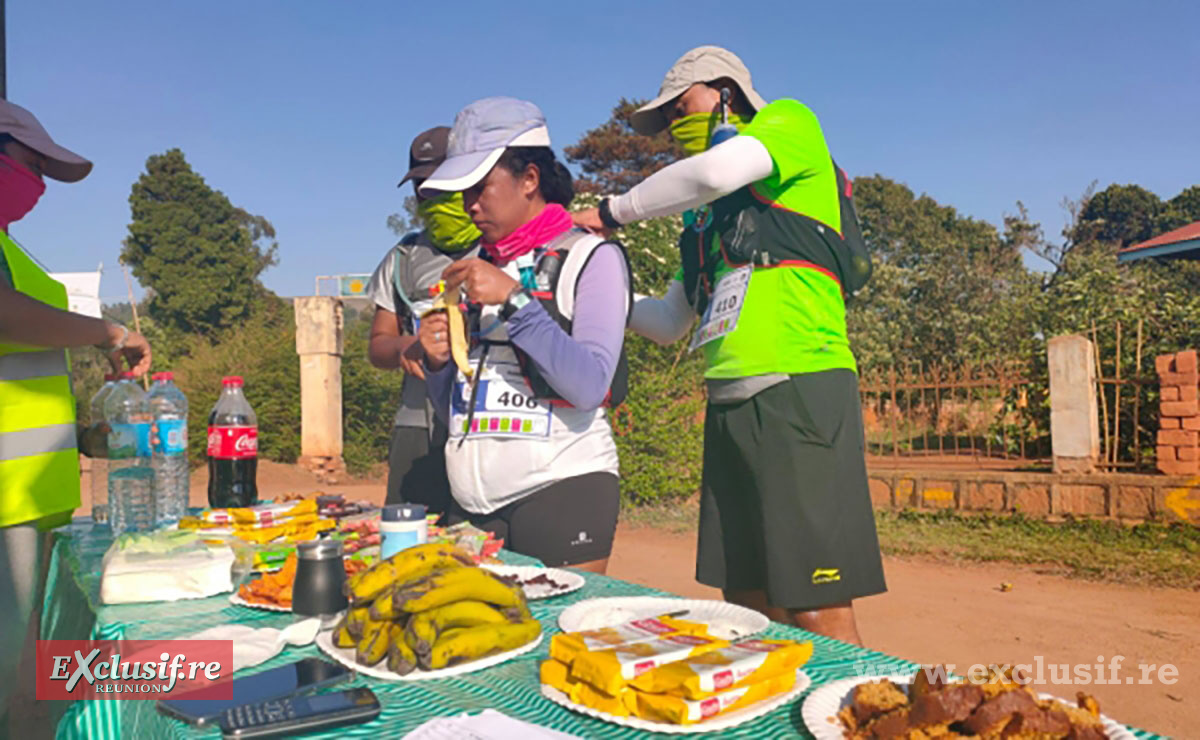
(544, 227)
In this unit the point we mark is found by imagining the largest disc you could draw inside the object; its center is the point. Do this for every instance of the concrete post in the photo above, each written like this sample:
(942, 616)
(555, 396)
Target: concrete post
(319, 344)
(1074, 408)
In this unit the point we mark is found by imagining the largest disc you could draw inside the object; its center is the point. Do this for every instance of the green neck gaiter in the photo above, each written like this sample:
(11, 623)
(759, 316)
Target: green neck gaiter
(693, 132)
(449, 226)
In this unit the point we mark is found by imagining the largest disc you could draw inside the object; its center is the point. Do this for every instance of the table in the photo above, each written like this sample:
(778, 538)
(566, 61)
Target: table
(72, 609)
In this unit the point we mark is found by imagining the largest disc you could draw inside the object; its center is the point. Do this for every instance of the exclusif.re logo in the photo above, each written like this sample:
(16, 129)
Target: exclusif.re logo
(133, 669)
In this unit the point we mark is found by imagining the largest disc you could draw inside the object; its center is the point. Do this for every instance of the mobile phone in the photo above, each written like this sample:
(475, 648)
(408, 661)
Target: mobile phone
(302, 676)
(300, 714)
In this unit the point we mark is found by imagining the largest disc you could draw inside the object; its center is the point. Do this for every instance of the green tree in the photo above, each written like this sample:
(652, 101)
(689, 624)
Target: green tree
(1119, 214)
(407, 220)
(198, 254)
(614, 157)
(947, 289)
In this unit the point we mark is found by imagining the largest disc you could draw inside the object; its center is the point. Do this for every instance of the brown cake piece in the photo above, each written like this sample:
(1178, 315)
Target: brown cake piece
(1088, 702)
(944, 706)
(1037, 723)
(871, 700)
(891, 726)
(928, 680)
(1087, 733)
(993, 715)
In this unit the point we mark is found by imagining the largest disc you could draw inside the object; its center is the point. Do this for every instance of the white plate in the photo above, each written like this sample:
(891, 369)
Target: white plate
(572, 581)
(725, 621)
(345, 656)
(822, 705)
(236, 598)
(716, 724)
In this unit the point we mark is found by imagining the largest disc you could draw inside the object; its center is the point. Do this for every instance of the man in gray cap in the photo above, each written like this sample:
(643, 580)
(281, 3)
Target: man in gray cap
(402, 291)
(770, 250)
(39, 460)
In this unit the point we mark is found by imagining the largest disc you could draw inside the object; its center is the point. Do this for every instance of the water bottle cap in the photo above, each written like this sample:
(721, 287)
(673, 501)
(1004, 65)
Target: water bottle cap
(404, 513)
(163, 376)
(126, 375)
(233, 380)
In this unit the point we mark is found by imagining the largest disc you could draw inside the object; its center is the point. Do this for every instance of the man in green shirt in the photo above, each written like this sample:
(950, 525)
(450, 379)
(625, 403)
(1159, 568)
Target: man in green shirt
(770, 249)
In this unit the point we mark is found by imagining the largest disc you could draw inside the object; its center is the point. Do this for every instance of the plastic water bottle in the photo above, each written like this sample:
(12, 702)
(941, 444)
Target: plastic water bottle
(170, 409)
(100, 464)
(130, 475)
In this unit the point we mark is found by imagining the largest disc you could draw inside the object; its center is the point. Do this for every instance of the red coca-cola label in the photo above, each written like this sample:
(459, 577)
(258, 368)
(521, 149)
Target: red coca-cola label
(233, 443)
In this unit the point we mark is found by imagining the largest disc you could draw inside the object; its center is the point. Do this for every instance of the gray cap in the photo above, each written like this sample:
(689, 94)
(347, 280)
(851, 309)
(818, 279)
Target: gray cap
(702, 64)
(481, 133)
(61, 164)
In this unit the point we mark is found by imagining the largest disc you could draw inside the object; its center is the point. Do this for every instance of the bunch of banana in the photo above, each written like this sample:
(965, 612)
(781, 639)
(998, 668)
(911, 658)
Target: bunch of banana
(448, 301)
(430, 607)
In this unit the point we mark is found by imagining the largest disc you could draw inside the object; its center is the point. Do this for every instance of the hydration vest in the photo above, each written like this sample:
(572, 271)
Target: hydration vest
(753, 231)
(564, 259)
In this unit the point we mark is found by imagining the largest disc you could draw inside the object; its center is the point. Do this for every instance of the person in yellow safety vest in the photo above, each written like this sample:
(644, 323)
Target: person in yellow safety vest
(39, 458)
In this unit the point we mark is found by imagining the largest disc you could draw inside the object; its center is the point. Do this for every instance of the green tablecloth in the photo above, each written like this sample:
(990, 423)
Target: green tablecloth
(72, 609)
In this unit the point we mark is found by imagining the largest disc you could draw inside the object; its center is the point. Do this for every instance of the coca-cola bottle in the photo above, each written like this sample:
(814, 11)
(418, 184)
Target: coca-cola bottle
(232, 449)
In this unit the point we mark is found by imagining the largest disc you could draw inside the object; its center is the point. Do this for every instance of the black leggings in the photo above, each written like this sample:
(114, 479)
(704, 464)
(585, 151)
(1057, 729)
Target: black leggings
(568, 522)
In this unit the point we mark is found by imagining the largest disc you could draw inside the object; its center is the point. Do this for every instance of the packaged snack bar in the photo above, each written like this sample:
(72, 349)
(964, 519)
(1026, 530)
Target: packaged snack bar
(610, 670)
(566, 647)
(557, 674)
(680, 711)
(740, 664)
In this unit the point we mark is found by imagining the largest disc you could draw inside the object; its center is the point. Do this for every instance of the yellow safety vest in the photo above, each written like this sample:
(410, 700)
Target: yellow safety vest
(39, 463)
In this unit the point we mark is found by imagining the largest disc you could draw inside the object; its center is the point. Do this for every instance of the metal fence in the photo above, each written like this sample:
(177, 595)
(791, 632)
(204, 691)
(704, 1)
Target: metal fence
(998, 412)
(980, 410)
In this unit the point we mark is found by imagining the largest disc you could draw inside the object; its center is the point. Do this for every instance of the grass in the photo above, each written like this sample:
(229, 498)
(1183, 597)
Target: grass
(1152, 553)
(1149, 554)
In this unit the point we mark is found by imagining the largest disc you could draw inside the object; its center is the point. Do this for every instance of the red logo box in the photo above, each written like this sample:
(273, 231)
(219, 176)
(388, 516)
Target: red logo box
(134, 669)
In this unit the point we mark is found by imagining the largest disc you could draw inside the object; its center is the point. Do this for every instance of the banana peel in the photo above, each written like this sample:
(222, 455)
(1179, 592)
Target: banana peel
(448, 301)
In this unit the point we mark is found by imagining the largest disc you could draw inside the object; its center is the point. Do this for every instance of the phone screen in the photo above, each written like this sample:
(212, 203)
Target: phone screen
(277, 683)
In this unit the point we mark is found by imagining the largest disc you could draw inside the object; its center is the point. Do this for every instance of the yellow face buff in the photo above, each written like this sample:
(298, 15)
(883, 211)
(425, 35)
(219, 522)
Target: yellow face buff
(449, 226)
(693, 132)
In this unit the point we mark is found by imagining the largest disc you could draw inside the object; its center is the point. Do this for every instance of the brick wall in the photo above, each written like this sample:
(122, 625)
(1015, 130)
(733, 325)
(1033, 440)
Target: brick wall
(1122, 496)
(1179, 413)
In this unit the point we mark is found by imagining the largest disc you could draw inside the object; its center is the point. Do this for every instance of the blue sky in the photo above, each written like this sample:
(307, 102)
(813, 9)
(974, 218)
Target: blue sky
(303, 111)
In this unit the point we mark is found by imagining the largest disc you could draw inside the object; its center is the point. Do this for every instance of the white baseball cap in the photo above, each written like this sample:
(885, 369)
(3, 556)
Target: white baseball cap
(702, 64)
(481, 133)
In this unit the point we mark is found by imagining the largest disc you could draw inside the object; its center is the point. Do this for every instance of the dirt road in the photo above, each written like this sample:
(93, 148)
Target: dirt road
(954, 613)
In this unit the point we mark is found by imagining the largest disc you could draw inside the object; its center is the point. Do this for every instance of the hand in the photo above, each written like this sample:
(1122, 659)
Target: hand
(93, 440)
(485, 283)
(136, 351)
(411, 359)
(589, 219)
(434, 336)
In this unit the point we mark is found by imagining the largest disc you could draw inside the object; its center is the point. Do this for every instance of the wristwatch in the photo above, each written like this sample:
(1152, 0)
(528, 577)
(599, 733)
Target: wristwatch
(516, 300)
(606, 216)
(120, 345)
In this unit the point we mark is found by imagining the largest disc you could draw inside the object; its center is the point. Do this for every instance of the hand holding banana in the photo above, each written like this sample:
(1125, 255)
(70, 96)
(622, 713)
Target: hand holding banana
(443, 333)
(482, 281)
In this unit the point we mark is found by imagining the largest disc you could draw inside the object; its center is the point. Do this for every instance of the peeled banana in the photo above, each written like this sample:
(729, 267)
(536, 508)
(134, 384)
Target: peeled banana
(401, 658)
(471, 643)
(424, 627)
(453, 585)
(407, 565)
(459, 346)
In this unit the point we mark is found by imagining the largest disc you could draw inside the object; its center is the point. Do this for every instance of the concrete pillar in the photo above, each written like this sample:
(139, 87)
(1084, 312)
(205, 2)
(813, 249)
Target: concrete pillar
(1074, 408)
(319, 344)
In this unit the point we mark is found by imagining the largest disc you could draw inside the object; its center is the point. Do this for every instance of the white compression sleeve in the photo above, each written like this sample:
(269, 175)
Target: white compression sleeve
(663, 320)
(695, 181)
